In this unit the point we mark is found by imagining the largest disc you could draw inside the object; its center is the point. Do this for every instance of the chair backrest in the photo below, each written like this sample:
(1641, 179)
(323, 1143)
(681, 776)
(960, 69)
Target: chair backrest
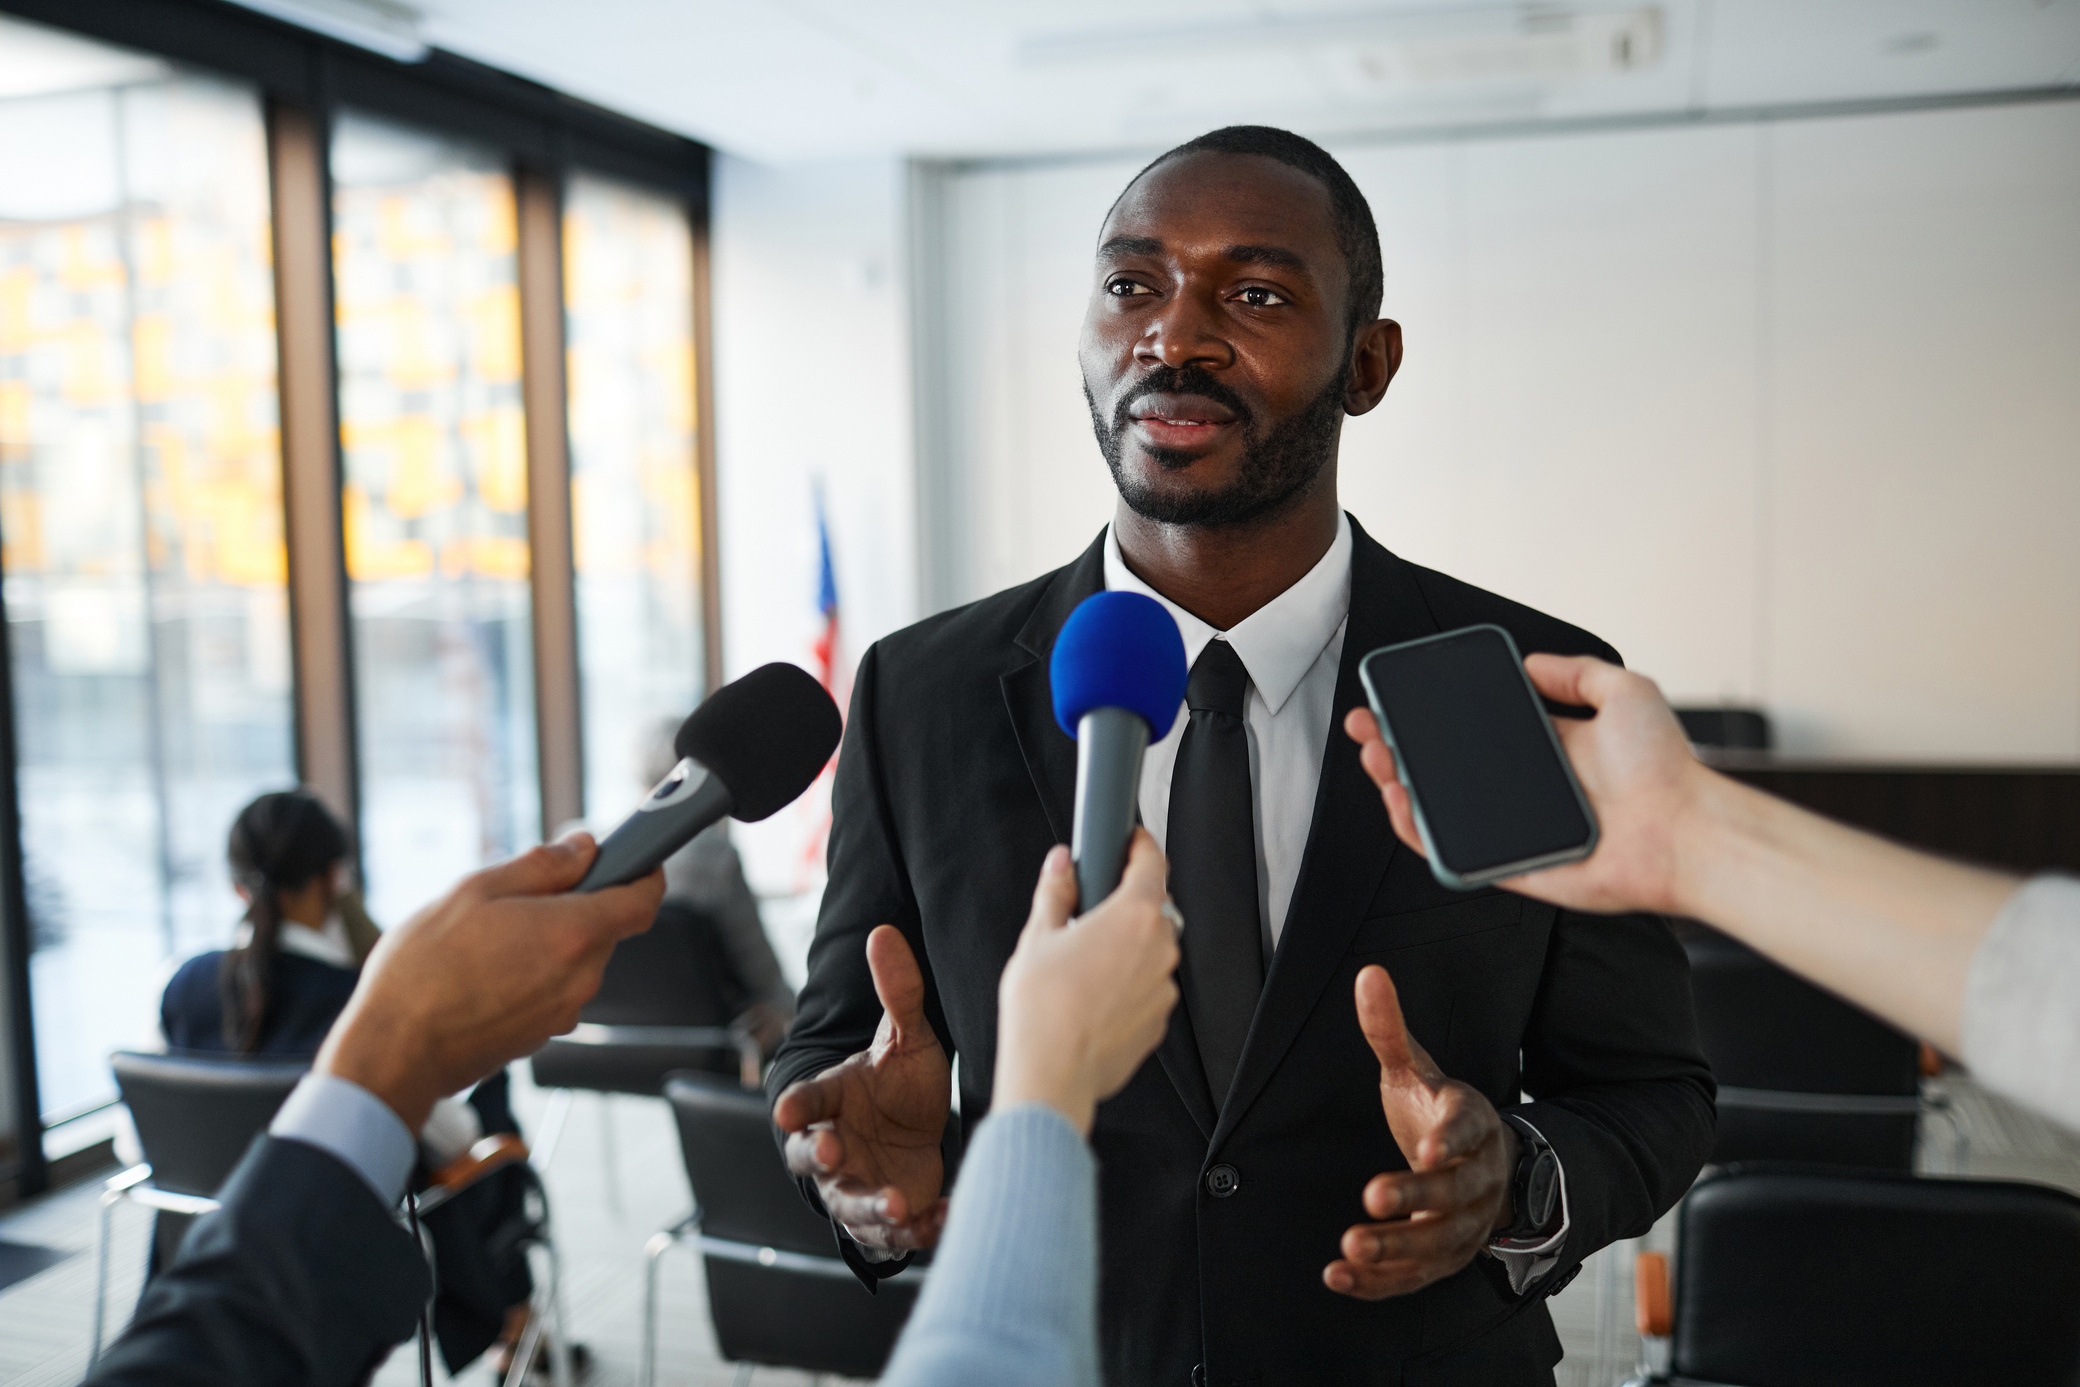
(197, 1115)
(1764, 1029)
(739, 1180)
(676, 973)
(1799, 1276)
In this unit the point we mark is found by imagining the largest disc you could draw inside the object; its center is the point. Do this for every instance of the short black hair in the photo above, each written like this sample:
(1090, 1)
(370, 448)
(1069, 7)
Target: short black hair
(1356, 234)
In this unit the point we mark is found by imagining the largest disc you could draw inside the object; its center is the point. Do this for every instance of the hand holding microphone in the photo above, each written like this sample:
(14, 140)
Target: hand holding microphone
(751, 749)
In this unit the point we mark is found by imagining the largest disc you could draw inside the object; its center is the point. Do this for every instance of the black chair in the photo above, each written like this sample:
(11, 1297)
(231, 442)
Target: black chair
(664, 1004)
(1806, 1276)
(1803, 1075)
(195, 1117)
(777, 1291)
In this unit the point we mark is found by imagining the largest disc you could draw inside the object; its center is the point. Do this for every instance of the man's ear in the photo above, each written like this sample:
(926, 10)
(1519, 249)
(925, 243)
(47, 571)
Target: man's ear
(1375, 357)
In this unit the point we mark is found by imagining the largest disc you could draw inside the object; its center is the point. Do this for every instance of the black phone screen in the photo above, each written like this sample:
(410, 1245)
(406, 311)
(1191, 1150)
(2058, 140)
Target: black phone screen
(1476, 751)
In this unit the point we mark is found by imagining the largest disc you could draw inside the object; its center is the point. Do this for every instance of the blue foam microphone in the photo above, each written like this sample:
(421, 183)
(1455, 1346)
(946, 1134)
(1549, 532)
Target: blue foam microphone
(1118, 676)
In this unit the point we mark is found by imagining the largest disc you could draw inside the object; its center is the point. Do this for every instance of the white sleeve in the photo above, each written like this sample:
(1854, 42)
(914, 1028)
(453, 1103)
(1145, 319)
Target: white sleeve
(2021, 1023)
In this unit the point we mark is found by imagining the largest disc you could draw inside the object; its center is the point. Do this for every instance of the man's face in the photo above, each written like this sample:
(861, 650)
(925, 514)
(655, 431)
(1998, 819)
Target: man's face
(1217, 347)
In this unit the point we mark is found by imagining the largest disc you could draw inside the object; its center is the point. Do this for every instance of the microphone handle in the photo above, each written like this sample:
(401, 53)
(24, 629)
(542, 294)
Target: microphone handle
(684, 803)
(1109, 744)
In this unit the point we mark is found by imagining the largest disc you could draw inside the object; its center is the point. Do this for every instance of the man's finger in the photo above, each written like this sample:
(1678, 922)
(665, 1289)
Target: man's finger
(541, 871)
(1400, 1193)
(1054, 895)
(1371, 1282)
(1425, 1240)
(898, 981)
(808, 1101)
(814, 1153)
(1379, 1016)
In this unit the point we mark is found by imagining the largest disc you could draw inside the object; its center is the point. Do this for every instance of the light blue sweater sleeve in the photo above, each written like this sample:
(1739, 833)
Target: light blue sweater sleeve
(1012, 1297)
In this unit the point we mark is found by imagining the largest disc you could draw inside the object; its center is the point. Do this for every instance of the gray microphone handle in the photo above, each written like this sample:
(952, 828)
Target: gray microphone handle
(684, 803)
(1109, 743)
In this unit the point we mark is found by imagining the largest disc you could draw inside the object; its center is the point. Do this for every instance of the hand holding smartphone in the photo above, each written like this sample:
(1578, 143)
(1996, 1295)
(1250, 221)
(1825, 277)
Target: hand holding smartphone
(1493, 793)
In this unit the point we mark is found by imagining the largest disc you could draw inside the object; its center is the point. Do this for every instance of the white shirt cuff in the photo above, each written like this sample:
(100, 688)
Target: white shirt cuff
(341, 1117)
(1526, 1260)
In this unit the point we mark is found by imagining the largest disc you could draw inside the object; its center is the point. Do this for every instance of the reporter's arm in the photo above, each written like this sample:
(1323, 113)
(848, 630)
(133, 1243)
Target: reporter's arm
(1013, 1292)
(1891, 929)
(302, 1277)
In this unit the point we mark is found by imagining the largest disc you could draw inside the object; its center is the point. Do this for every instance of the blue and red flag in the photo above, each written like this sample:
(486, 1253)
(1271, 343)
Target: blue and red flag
(827, 656)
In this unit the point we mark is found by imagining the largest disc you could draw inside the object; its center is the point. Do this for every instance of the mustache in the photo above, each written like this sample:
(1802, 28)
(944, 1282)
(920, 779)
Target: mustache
(1181, 380)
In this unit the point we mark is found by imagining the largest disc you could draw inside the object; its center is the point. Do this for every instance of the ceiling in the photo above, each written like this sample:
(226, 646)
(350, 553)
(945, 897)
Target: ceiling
(785, 80)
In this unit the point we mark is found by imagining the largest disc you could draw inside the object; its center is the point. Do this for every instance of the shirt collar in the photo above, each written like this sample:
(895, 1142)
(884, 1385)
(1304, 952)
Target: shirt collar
(328, 945)
(1280, 641)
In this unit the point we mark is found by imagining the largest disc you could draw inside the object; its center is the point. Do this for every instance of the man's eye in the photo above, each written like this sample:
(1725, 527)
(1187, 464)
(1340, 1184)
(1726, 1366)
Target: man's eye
(1257, 296)
(1122, 288)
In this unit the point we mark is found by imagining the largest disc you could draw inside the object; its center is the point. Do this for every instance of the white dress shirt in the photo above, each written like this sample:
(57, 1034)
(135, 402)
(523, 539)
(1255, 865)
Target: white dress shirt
(1292, 647)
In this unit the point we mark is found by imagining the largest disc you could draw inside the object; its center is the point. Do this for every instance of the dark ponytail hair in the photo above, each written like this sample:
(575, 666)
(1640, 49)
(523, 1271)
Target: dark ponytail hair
(279, 843)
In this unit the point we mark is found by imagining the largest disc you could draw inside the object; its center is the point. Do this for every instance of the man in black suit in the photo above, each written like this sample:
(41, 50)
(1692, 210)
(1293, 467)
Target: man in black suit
(304, 1275)
(1233, 324)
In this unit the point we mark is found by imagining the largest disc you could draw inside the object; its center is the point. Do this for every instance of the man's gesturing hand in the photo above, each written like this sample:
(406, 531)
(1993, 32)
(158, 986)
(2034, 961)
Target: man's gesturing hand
(1439, 1213)
(867, 1129)
(484, 975)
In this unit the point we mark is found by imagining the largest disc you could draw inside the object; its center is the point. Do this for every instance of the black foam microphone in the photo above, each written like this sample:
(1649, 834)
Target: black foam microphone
(748, 751)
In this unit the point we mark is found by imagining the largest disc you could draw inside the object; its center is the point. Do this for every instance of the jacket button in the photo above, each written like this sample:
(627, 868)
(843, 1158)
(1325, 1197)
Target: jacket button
(1222, 1181)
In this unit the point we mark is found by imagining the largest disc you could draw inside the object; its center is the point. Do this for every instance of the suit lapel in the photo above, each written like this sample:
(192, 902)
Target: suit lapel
(1349, 842)
(1050, 758)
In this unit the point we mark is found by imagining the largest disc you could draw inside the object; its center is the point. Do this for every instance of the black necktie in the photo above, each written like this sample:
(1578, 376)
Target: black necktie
(1213, 864)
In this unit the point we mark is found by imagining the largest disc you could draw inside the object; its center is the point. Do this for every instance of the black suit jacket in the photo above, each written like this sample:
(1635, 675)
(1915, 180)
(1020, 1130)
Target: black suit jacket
(953, 782)
(302, 1278)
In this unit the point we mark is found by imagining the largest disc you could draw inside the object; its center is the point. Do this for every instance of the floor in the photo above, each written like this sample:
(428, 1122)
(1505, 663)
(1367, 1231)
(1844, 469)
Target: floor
(602, 1225)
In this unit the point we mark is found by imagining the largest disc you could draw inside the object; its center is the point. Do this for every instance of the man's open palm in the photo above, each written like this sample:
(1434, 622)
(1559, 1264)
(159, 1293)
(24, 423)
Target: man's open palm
(867, 1129)
(1436, 1215)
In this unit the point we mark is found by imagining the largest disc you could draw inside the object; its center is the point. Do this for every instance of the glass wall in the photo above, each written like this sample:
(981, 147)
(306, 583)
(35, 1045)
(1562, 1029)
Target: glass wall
(435, 507)
(635, 479)
(141, 513)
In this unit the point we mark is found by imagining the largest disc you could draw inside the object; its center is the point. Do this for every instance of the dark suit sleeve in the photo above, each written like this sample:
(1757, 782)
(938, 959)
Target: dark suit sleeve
(1618, 1082)
(303, 1277)
(838, 1011)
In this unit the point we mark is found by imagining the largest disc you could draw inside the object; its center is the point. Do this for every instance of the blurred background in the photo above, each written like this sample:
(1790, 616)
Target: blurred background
(423, 401)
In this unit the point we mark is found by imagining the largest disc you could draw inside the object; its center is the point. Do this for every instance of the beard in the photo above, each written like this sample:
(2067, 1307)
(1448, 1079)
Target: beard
(1279, 462)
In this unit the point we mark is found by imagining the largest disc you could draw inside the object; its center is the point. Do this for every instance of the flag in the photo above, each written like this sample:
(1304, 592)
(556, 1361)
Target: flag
(827, 658)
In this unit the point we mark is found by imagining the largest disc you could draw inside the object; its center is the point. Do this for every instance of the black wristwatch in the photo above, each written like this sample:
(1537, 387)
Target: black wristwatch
(1534, 1189)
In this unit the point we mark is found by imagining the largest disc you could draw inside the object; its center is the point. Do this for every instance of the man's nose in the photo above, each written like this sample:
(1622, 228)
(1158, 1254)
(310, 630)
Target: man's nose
(1186, 330)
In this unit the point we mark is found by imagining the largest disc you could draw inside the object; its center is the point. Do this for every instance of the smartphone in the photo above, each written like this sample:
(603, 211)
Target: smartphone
(1493, 793)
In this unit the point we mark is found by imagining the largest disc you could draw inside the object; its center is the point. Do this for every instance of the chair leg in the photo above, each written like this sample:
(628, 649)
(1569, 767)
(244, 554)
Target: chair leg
(553, 1120)
(560, 1335)
(610, 1156)
(660, 1243)
(100, 1280)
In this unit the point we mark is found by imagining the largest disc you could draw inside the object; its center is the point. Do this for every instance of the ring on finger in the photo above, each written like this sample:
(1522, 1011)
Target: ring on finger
(1174, 916)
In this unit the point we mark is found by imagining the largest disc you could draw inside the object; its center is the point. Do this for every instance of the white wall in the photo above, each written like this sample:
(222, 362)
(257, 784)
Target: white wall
(812, 385)
(1788, 411)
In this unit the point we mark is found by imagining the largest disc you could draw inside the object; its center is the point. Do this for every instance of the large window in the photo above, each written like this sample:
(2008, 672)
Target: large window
(286, 352)
(435, 507)
(141, 511)
(635, 478)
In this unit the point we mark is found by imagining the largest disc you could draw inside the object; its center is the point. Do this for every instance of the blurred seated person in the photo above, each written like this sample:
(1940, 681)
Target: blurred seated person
(276, 992)
(718, 916)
